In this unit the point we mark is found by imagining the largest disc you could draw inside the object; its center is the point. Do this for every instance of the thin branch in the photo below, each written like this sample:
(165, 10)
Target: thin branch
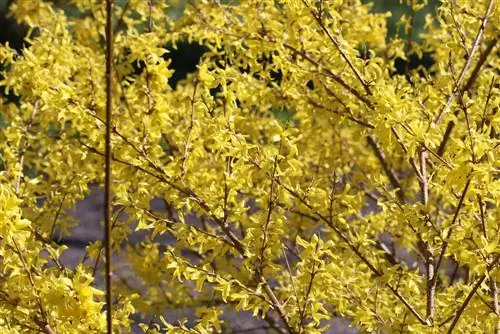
(308, 292)
(457, 314)
(58, 212)
(107, 182)
(475, 46)
(43, 323)
(339, 49)
(235, 242)
(462, 308)
(388, 171)
(405, 149)
(121, 20)
(437, 156)
(482, 59)
(24, 147)
(336, 112)
(356, 251)
(291, 279)
(483, 220)
(446, 137)
(331, 75)
(189, 132)
(496, 307)
(270, 207)
(452, 224)
(409, 42)
(474, 75)
(429, 257)
(423, 173)
(458, 27)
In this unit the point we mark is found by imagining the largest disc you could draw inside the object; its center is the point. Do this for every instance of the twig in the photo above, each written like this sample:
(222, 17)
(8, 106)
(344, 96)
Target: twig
(429, 258)
(437, 156)
(458, 27)
(482, 59)
(452, 224)
(481, 210)
(235, 242)
(337, 46)
(291, 279)
(475, 46)
(43, 323)
(423, 173)
(270, 207)
(356, 251)
(308, 292)
(462, 308)
(389, 172)
(331, 75)
(405, 149)
(190, 130)
(336, 112)
(24, 147)
(494, 294)
(409, 42)
(456, 315)
(107, 181)
(467, 87)
(353, 248)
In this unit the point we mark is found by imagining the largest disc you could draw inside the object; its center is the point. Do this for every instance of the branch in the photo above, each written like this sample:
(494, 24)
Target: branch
(356, 251)
(42, 323)
(388, 171)
(331, 75)
(337, 46)
(452, 224)
(482, 59)
(496, 308)
(474, 75)
(235, 242)
(429, 258)
(409, 42)
(475, 46)
(190, 131)
(107, 181)
(24, 147)
(467, 300)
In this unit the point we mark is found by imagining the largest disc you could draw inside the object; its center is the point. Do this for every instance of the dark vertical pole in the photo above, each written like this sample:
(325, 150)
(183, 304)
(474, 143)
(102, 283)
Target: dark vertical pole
(107, 182)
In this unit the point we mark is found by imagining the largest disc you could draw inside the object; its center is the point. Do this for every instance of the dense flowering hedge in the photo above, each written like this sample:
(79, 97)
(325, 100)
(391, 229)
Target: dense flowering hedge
(322, 183)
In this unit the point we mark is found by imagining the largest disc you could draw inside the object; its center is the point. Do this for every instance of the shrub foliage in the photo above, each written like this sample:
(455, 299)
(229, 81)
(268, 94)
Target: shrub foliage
(303, 177)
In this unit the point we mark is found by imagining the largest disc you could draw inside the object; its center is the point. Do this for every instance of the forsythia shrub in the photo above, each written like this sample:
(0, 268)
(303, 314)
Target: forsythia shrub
(303, 177)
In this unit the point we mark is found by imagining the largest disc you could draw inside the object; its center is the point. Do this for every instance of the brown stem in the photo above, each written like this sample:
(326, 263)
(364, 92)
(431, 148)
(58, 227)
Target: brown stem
(327, 72)
(464, 305)
(356, 251)
(270, 207)
(429, 257)
(187, 143)
(388, 171)
(457, 314)
(107, 181)
(24, 147)
(320, 22)
(483, 220)
(475, 46)
(452, 224)
(496, 307)
(474, 75)
(409, 44)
